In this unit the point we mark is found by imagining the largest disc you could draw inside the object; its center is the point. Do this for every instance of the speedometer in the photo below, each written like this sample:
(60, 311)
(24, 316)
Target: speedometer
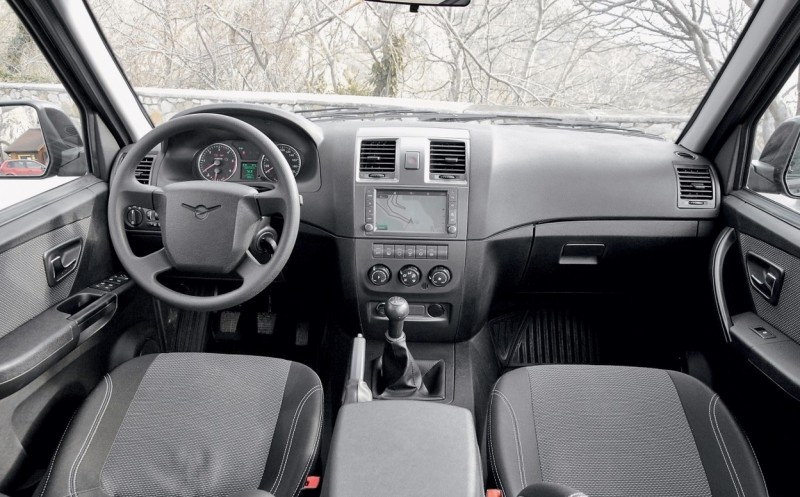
(218, 162)
(292, 157)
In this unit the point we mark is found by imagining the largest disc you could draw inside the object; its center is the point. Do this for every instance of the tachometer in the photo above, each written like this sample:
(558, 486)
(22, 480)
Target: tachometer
(218, 162)
(292, 157)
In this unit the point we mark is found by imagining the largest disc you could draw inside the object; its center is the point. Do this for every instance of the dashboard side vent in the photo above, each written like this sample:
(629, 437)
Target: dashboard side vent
(144, 169)
(695, 187)
(448, 160)
(377, 159)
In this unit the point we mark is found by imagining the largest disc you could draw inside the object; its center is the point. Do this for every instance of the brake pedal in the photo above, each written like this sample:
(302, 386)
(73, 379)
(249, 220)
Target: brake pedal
(266, 323)
(229, 322)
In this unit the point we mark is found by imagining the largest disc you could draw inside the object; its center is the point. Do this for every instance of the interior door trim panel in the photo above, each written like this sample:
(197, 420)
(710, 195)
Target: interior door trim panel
(26, 288)
(778, 357)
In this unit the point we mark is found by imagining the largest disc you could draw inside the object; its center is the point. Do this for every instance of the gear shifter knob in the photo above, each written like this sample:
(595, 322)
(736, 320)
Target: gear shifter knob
(397, 311)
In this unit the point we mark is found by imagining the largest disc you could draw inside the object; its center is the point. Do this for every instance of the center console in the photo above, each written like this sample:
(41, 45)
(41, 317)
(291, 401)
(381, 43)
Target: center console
(403, 448)
(411, 203)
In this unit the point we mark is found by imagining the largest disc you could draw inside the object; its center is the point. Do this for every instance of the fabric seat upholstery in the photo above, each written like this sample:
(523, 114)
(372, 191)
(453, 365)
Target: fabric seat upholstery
(617, 431)
(192, 425)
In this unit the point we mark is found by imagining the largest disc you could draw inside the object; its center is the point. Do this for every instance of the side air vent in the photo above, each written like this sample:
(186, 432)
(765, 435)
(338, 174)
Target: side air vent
(448, 160)
(144, 169)
(377, 159)
(695, 187)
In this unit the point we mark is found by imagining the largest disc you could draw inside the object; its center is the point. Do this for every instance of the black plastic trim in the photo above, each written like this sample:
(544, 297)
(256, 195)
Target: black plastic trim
(723, 244)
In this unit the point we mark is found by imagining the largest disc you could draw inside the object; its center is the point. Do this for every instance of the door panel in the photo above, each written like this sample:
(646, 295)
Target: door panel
(766, 327)
(26, 291)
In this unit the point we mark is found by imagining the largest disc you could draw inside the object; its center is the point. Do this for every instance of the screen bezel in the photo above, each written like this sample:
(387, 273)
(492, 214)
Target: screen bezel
(408, 191)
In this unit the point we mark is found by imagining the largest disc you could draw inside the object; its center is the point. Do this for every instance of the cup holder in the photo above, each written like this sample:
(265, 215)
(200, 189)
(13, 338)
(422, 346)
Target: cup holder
(77, 303)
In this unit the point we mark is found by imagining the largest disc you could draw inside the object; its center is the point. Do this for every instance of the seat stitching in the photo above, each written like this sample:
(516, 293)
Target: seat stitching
(53, 462)
(72, 477)
(288, 446)
(716, 402)
(97, 427)
(714, 430)
(304, 475)
(491, 448)
(520, 456)
(116, 435)
(533, 418)
(763, 480)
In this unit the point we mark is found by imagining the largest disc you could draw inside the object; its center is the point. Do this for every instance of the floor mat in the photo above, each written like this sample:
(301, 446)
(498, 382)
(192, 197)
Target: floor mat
(544, 336)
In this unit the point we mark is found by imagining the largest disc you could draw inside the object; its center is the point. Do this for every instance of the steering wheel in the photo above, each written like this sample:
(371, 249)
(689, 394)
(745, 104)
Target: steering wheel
(206, 226)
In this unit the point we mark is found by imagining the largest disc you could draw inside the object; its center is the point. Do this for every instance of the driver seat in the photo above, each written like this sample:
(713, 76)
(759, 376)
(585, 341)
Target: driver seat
(191, 424)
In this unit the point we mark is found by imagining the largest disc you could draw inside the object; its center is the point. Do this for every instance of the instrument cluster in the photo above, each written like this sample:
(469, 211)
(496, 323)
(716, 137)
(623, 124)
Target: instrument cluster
(241, 161)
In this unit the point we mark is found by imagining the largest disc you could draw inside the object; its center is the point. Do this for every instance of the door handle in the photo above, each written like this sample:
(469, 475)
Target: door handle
(62, 260)
(765, 277)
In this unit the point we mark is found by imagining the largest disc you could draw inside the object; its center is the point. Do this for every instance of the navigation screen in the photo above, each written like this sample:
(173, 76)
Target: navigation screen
(411, 211)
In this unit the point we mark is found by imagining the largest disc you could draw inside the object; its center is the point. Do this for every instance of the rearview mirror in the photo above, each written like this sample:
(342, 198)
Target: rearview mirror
(416, 4)
(38, 139)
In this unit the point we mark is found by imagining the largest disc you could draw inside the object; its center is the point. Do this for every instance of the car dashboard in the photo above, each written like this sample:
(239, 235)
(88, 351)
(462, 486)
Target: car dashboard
(451, 216)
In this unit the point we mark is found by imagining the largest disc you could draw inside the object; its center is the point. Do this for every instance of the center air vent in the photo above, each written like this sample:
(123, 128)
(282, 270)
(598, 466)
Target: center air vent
(695, 187)
(143, 170)
(377, 159)
(448, 160)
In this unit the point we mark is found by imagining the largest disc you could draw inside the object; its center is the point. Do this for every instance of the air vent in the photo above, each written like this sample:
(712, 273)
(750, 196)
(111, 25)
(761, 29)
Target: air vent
(685, 155)
(377, 159)
(696, 187)
(144, 169)
(448, 160)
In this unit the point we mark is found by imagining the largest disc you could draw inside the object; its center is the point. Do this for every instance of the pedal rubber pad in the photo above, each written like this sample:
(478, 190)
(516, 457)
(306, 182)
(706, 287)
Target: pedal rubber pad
(265, 323)
(229, 322)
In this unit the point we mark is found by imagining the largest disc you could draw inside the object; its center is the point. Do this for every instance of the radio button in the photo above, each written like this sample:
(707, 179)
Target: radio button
(452, 229)
(369, 227)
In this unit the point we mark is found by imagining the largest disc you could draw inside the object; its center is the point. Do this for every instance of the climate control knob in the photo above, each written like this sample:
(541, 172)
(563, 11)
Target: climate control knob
(379, 274)
(440, 276)
(409, 275)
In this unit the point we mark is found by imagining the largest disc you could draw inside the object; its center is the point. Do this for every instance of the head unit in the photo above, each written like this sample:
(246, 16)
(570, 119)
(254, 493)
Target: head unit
(406, 211)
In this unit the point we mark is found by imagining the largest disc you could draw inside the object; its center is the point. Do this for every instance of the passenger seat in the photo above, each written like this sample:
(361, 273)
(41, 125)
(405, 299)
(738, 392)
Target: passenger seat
(617, 431)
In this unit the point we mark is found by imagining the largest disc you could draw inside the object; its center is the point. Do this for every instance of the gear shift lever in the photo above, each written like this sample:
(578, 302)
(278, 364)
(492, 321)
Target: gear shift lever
(400, 375)
(396, 309)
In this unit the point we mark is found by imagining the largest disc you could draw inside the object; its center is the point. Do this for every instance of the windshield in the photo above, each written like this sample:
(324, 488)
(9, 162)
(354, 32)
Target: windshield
(641, 65)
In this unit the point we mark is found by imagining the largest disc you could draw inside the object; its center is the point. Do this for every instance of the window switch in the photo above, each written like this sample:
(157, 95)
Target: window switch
(763, 332)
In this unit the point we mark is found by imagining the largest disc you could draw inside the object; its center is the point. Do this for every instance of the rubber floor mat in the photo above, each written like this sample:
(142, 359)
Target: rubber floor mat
(544, 336)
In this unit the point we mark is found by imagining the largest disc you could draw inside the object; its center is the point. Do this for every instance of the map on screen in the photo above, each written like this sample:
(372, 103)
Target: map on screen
(411, 211)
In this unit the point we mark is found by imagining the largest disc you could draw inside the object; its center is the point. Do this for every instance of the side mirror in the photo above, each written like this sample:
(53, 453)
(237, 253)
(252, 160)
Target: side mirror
(39, 132)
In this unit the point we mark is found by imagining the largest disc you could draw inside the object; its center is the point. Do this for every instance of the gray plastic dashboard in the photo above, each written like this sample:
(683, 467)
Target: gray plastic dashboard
(526, 175)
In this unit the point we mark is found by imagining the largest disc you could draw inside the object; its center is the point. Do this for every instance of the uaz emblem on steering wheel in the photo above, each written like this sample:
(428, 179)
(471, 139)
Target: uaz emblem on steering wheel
(201, 211)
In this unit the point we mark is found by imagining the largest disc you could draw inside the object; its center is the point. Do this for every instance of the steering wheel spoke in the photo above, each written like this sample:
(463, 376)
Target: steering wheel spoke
(139, 195)
(249, 269)
(156, 263)
(272, 202)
